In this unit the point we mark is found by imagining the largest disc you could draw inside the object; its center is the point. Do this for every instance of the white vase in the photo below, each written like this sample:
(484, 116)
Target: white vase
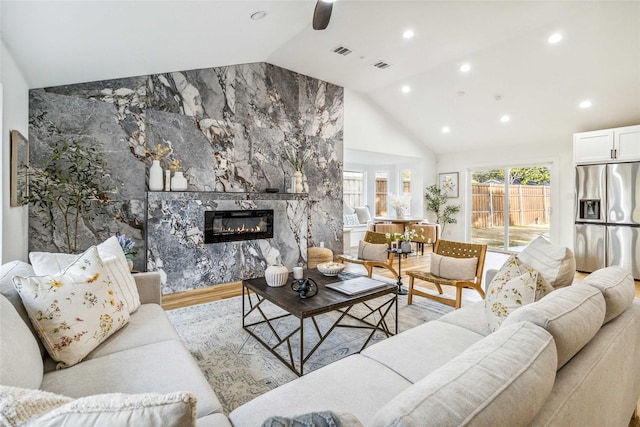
(399, 212)
(405, 247)
(179, 182)
(298, 176)
(155, 176)
(276, 275)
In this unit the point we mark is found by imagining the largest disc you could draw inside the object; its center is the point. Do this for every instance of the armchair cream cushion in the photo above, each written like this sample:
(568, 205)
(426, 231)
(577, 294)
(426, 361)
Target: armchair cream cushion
(453, 268)
(372, 251)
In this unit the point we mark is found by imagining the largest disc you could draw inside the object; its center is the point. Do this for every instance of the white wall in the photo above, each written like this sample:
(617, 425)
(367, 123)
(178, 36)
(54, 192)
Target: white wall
(15, 115)
(560, 156)
(367, 129)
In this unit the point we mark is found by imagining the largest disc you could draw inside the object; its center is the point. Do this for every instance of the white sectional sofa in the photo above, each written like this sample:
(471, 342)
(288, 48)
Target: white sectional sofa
(571, 358)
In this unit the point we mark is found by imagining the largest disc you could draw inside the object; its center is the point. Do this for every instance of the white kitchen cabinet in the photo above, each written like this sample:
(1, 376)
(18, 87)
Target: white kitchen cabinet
(607, 145)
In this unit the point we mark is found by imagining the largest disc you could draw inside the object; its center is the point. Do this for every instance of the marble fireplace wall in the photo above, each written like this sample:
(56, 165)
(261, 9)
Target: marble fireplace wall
(177, 249)
(228, 127)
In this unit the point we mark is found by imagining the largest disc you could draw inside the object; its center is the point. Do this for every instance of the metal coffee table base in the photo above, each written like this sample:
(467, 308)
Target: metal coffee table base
(366, 321)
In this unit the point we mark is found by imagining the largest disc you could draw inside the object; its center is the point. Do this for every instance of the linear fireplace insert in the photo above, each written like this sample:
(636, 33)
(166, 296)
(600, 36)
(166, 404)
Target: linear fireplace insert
(230, 226)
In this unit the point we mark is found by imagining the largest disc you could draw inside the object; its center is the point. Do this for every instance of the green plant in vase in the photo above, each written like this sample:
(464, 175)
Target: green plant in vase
(70, 187)
(437, 202)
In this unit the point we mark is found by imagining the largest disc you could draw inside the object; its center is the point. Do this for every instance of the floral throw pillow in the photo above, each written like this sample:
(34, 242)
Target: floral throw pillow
(515, 285)
(75, 310)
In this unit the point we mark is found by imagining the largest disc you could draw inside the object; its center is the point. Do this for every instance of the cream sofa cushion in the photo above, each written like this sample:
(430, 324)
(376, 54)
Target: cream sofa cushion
(556, 263)
(453, 268)
(75, 310)
(7, 271)
(617, 287)
(573, 315)
(20, 358)
(515, 365)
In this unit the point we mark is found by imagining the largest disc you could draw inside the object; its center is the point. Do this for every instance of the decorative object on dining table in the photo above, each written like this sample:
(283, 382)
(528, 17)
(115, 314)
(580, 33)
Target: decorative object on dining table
(276, 275)
(306, 288)
(330, 268)
(297, 273)
(400, 204)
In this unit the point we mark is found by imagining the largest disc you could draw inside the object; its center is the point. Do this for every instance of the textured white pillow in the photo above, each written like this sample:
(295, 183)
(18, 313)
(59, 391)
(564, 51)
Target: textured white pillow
(363, 214)
(372, 251)
(40, 408)
(556, 263)
(514, 286)
(48, 263)
(350, 219)
(453, 268)
(75, 310)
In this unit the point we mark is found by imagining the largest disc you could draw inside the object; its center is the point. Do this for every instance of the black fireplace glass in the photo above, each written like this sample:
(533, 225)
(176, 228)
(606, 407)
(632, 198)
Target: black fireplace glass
(230, 226)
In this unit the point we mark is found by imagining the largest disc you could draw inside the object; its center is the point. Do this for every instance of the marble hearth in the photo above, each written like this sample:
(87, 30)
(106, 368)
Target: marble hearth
(175, 239)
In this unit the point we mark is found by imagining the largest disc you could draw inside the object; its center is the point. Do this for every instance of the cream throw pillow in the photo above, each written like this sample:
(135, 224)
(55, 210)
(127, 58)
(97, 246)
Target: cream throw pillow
(47, 263)
(556, 263)
(372, 251)
(40, 408)
(514, 286)
(453, 268)
(75, 310)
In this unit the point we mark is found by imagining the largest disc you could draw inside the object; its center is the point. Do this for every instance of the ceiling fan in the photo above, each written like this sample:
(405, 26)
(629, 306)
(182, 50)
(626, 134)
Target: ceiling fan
(322, 14)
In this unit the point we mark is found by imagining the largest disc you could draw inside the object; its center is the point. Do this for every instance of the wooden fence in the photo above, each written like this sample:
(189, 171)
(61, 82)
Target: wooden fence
(528, 204)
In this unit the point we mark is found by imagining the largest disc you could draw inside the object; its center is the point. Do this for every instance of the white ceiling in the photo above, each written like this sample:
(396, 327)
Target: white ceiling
(539, 84)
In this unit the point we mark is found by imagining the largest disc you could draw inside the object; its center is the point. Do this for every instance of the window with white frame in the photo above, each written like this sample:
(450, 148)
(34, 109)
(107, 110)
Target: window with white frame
(353, 188)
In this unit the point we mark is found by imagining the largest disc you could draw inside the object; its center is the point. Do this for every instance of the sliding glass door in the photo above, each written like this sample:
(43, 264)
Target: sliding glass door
(510, 206)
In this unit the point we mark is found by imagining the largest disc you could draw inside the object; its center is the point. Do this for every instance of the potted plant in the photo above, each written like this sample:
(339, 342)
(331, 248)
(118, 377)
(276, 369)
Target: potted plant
(437, 202)
(128, 248)
(405, 238)
(69, 188)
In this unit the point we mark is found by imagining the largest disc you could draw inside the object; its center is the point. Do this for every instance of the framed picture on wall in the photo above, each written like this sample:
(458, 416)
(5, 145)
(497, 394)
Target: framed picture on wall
(449, 184)
(19, 163)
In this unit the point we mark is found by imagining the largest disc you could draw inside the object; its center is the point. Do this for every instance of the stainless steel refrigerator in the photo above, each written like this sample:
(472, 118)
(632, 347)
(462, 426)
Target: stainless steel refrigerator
(608, 217)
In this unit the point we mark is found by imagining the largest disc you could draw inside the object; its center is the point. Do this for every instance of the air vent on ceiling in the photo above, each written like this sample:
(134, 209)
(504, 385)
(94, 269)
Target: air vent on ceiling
(382, 65)
(342, 50)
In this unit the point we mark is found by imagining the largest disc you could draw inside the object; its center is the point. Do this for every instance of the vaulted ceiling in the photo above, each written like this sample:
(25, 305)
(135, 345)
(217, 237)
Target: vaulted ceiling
(514, 70)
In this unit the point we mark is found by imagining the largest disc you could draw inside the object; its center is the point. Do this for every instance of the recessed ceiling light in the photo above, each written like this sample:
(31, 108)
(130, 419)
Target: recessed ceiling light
(465, 67)
(505, 118)
(446, 129)
(555, 38)
(408, 34)
(328, 1)
(585, 104)
(406, 89)
(256, 16)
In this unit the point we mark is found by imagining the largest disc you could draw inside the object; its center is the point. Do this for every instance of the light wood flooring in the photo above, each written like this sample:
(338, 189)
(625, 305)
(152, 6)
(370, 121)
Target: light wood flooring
(412, 262)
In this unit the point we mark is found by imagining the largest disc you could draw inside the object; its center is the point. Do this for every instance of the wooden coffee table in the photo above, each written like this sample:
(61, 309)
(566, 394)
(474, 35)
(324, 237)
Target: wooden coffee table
(256, 291)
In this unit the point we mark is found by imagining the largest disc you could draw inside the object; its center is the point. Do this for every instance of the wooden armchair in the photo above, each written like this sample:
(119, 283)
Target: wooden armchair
(376, 238)
(456, 250)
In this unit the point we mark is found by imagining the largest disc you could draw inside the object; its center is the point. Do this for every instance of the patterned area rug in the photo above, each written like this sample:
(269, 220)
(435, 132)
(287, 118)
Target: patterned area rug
(239, 368)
